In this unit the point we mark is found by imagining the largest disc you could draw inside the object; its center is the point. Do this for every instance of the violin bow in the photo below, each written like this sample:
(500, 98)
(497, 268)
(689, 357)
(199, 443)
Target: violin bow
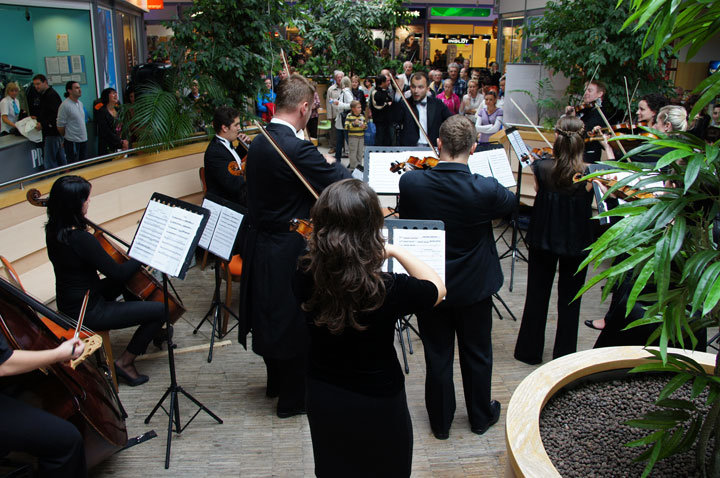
(532, 124)
(412, 113)
(610, 128)
(627, 97)
(287, 159)
(81, 319)
(287, 71)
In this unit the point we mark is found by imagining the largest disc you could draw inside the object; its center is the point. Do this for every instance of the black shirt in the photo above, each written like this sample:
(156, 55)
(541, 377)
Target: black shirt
(560, 221)
(76, 266)
(48, 105)
(365, 361)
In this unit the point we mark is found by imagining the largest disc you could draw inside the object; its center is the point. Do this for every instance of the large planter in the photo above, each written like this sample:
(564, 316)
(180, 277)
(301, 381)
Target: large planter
(526, 453)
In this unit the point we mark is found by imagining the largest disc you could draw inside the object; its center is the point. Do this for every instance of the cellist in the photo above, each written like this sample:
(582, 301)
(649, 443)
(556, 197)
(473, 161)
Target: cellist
(56, 442)
(77, 256)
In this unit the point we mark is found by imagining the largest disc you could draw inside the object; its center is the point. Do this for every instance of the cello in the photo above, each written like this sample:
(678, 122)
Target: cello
(84, 396)
(142, 285)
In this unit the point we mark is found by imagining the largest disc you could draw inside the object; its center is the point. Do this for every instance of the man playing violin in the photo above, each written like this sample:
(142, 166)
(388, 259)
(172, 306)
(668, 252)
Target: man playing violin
(467, 203)
(594, 96)
(221, 176)
(429, 111)
(270, 251)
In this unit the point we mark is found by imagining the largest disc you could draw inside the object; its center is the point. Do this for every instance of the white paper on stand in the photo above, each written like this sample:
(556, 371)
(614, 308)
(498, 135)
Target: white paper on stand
(427, 244)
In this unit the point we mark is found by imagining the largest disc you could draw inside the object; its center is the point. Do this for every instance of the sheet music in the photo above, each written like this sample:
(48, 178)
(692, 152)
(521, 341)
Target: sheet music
(380, 178)
(519, 146)
(500, 167)
(385, 234)
(207, 234)
(223, 238)
(427, 244)
(479, 164)
(164, 237)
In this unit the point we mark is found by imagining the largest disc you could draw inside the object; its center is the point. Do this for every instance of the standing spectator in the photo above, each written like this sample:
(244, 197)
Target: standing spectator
(333, 93)
(108, 126)
(699, 124)
(436, 87)
(495, 74)
(489, 119)
(355, 125)
(266, 102)
(71, 123)
(9, 109)
(282, 74)
(465, 74)
(472, 102)
(312, 125)
(715, 115)
(357, 92)
(366, 86)
(466, 65)
(381, 101)
(407, 73)
(449, 97)
(342, 106)
(501, 93)
(459, 85)
(48, 102)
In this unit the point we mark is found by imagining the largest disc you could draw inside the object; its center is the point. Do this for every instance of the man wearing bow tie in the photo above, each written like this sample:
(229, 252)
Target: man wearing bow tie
(429, 111)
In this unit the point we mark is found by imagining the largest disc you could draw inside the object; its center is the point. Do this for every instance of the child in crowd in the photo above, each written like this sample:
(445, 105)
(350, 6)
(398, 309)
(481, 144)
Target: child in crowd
(355, 125)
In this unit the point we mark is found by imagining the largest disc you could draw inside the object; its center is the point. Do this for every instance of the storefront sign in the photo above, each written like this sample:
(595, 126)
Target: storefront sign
(155, 4)
(466, 12)
(458, 41)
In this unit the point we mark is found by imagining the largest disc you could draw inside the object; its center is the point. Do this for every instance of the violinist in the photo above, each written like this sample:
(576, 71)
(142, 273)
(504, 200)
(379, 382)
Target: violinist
(648, 107)
(430, 112)
(77, 256)
(270, 250)
(560, 230)
(594, 96)
(467, 203)
(23, 428)
(220, 153)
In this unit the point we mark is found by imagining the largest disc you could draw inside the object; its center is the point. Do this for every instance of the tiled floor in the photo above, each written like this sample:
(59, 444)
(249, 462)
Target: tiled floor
(253, 442)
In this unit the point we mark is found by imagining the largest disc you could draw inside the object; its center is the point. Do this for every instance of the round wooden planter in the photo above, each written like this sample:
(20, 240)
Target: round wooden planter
(526, 453)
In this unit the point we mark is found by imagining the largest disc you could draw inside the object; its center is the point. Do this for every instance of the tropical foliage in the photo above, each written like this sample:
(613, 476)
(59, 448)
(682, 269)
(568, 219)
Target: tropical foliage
(578, 38)
(665, 245)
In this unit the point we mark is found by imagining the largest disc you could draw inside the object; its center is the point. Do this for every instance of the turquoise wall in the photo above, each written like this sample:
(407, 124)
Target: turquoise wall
(27, 43)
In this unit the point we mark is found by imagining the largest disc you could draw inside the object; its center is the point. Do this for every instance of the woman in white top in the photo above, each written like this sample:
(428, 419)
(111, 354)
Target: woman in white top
(343, 106)
(489, 118)
(472, 102)
(9, 108)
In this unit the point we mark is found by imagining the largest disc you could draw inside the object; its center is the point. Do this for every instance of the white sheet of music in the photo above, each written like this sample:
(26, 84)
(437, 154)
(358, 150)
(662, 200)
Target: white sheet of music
(500, 166)
(519, 146)
(207, 234)
(380, 178)
(479, 164)
(385, 234)
(164, 237)
(226, 230)
(427, 244)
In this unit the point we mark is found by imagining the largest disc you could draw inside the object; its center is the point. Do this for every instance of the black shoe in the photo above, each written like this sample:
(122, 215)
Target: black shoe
(441, 435)
(590, 324)
(290, 412)
(133, 382)
(495, 405)
(527, 360)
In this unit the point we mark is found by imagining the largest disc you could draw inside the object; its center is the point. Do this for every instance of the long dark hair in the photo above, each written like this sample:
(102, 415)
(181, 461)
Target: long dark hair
(568, 150)
(345, 252)
(105, 95)
(64, 206)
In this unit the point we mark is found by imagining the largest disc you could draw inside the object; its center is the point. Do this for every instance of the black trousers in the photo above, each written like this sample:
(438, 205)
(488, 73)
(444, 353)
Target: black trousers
(438, 327)
(111, 315)
(286, 377)
(56, 442)
(383, 134)
(358, 435)
(541, 275)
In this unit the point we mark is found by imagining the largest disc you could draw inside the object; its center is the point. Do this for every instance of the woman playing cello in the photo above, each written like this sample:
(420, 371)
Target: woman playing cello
(77, 256)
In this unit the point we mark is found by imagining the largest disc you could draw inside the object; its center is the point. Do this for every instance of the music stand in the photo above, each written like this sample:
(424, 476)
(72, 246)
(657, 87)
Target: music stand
(168, 233)
(218, 238)
(513, 251)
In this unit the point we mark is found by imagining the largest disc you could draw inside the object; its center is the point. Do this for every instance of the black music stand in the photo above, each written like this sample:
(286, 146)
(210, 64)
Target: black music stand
(218, 238)
(168, 233)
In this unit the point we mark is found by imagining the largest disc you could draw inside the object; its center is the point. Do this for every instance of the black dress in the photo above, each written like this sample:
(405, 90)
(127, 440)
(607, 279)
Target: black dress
(356, 403)
(560, 230)
(109, 139)
(76, 266)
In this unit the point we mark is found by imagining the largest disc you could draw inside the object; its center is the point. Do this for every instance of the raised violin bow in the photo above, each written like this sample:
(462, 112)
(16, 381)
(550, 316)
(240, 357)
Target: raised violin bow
(412, 113)
(287, 160)
(532, 124)
(287, 70)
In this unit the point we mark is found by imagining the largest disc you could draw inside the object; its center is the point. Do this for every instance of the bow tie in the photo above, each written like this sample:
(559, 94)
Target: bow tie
(422, 103)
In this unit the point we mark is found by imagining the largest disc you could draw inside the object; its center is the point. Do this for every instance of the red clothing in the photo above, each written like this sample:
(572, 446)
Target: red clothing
(453, 103)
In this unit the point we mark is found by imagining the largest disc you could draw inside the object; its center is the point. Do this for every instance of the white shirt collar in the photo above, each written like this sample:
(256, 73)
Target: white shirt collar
(229, 147)
(422, 118)
(298, 134)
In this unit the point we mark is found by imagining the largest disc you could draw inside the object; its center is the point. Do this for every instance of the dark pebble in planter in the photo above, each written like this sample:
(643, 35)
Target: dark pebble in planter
(582, 427)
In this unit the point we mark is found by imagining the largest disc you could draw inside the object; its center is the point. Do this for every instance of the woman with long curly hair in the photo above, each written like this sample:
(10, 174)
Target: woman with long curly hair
(356, 403)
(560, 230)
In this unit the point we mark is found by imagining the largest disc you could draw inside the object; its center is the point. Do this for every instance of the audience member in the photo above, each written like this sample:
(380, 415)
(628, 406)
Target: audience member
(48, 103)
(448, 96)
(342, 106)
(459, 85)
(9, 109)
(108, 126)
(355, 125)
(473, 102)
(489, 119)
(332, 94)
(266, 102)
(71, 123)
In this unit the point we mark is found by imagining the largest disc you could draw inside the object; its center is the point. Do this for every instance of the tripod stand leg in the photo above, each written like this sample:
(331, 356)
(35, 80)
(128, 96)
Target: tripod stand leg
(398, 327)
(504, 304)
(410, 347)
(497, 311)
(200, 405)
(157, 406)
(171, 418)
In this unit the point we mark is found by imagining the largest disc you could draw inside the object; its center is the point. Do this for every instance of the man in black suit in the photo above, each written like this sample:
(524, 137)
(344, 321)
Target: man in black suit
(467, 203)
(594, 95)
(430, 111)
(269, 249)
(220, 154)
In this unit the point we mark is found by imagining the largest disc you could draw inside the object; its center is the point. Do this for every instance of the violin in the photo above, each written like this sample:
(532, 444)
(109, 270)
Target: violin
(83, 396)
(542, 153)
(304, 227)
(414, 162)
(583, 107)
(142, 284)
(236, 169)
(625, 193)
